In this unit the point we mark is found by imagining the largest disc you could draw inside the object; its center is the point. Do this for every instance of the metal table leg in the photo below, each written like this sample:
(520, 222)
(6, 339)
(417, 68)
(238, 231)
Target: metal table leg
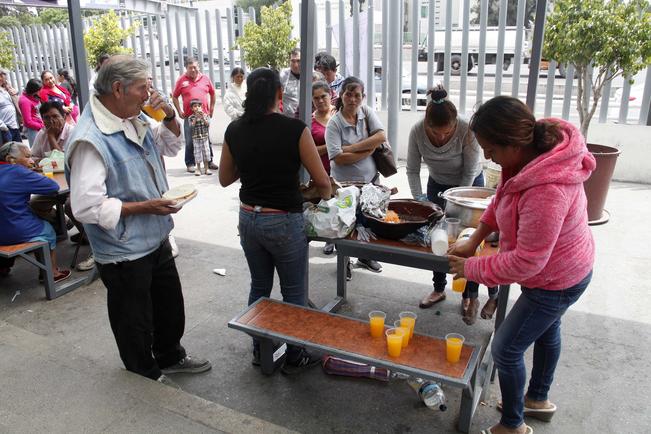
(340, 299)
(502, 302)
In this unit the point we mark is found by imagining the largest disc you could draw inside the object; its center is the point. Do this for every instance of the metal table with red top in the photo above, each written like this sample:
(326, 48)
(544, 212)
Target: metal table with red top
(414, 256)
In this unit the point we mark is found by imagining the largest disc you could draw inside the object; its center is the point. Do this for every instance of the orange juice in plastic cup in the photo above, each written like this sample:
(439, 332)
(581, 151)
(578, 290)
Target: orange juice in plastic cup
(459, 285)
(376, 321)
(408, 319)
(406, 330)
(453, 346)
(394, 341)
(157, 114)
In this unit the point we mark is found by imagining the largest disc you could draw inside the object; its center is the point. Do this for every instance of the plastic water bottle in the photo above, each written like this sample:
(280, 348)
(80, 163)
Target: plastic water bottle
(429, 392)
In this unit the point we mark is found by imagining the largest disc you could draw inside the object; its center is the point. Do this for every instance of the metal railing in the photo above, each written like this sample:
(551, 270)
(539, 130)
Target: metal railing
(473, 61)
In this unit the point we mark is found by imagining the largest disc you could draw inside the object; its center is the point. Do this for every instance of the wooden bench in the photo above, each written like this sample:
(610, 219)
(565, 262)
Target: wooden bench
(270, 320)
(43, 261)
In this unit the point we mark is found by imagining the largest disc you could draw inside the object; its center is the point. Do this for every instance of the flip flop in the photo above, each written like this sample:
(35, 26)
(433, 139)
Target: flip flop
(490, 431)
(543, 414)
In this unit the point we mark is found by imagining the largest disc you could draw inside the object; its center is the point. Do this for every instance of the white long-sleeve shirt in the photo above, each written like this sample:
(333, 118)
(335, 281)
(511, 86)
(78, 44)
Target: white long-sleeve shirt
(88, 198)
(233, 100)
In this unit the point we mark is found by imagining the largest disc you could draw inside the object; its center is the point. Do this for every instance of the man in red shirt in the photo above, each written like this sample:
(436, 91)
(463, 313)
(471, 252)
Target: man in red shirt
(193, 85)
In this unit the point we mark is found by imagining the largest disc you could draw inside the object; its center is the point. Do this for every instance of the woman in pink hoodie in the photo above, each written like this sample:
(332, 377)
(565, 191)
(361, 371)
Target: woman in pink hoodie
(545, 245)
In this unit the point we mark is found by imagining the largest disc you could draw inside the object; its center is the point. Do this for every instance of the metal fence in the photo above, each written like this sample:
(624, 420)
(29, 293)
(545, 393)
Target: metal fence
(473, 61)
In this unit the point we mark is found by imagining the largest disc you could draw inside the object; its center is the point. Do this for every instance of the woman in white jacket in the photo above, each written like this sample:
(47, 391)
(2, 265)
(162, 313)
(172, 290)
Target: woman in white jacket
(235, 95)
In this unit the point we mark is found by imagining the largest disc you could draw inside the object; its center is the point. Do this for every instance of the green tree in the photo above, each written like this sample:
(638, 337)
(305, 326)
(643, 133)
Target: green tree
(9, 21)
(602, 39)
(7, 51)
(511, 12)
(26, 18)
(257, 4)
(269, 43)
(53, 16)
(106, 36)
(12, 16)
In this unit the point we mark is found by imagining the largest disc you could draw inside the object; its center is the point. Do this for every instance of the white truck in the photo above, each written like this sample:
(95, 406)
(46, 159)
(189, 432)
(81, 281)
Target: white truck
(473, 47)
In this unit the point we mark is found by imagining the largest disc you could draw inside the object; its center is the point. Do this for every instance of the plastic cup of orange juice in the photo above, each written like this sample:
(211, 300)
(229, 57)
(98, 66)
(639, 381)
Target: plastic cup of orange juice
(376, 321)
(406, 330)
(459, 285)
(394, 341)
(453, 346)
(408, 319)
(156, 114)
(48, 170)
(452, 225)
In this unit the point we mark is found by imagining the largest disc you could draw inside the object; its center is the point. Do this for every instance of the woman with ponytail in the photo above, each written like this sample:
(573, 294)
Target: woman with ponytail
(453, 159)
(545, 246)
(265, 150)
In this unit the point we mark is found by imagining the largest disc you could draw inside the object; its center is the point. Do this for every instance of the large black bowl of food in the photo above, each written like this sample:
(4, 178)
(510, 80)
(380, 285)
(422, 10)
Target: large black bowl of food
(404, 216)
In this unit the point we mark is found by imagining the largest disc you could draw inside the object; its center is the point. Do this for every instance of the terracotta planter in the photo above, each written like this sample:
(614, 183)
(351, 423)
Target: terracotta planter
(596, 187)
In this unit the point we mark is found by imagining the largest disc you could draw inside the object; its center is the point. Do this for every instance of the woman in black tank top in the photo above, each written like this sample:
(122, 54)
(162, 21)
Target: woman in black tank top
(264, 150)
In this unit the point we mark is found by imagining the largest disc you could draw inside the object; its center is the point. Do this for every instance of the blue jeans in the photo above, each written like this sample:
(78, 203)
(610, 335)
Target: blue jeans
(534, 319)
(433, 190)
(31, 135)
(189, 147)
(11, 135)
(275, 242)
(47, 235)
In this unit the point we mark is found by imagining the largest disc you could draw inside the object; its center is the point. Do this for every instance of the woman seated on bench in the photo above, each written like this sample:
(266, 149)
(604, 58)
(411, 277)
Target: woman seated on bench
(17, 182)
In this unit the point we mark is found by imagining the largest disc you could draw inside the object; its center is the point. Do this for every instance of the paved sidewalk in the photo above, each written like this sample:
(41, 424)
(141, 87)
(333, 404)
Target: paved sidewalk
(60, 371)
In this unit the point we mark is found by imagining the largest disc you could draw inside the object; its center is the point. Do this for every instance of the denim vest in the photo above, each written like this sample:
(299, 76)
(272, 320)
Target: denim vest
(134, 173)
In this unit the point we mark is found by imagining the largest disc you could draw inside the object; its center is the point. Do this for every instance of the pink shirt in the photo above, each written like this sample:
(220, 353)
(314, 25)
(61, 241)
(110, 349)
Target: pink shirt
(545, 241)
(318, 134)
(198, 89)
(28, 106)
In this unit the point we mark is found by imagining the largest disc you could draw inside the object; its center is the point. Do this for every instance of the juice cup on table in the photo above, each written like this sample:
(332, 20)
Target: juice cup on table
(406, 330)
(394, 341)
(408, 319)
(48, 170)
(376, 321)
(452, 227)
(459, 285)
(453, 346)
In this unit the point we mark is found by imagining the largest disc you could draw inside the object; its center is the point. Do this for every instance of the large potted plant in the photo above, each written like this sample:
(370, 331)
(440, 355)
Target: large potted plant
(602, 39)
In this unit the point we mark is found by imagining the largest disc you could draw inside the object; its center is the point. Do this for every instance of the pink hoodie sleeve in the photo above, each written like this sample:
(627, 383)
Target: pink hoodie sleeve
(541, 213)
(488, 217)
(29, 121)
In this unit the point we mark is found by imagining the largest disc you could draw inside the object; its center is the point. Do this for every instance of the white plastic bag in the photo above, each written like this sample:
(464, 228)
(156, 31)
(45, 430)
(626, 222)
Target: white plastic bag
(334, 218)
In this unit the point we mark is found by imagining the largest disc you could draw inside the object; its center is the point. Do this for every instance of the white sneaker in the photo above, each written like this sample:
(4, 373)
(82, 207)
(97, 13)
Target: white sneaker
(175, 248)
(87, 264)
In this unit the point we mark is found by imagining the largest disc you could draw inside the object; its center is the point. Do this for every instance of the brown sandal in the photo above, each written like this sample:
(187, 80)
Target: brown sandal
(489, 309)
(543, 414)
(431, 299)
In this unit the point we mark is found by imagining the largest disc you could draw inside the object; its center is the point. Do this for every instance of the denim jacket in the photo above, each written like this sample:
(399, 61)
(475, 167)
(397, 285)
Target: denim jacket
(134, 173)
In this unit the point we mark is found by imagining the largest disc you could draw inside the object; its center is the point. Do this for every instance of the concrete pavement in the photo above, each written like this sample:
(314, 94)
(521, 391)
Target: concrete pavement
(60, 371)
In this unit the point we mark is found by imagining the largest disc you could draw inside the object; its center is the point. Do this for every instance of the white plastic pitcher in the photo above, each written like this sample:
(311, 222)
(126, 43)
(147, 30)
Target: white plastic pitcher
(439, 241)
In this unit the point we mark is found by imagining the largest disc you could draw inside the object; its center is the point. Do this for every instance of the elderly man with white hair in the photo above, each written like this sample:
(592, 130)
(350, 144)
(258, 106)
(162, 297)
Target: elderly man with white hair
(117, 180)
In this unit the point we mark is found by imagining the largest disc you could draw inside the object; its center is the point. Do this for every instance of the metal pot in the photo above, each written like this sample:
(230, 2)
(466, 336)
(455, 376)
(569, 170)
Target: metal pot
(468, 212)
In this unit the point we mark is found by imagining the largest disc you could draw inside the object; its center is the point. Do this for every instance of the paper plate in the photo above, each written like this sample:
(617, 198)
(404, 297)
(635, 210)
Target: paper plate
(180, 202)
(180, 192)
